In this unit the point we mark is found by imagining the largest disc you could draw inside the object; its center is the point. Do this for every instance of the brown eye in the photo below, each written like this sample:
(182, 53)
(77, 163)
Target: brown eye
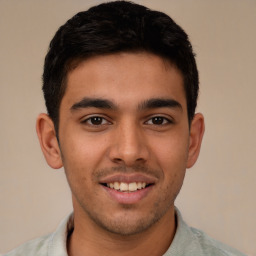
(95, 120)
(158, 120)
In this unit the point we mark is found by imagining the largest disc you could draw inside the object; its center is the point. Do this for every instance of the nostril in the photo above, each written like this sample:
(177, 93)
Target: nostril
(118, 160)
(128, 162)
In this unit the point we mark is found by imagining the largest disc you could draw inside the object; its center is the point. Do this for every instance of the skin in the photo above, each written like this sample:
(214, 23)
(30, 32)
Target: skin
(109, 129)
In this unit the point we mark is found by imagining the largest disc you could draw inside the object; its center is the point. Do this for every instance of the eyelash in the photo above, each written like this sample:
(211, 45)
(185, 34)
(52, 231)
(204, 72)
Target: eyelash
(86, 121)
(165, 121)
(89, 121)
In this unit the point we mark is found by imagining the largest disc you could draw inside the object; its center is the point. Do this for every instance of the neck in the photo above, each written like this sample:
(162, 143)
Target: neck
(91, 240)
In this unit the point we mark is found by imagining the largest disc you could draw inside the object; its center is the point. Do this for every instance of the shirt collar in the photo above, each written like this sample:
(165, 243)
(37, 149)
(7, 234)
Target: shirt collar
(58, 240)
(182, 239)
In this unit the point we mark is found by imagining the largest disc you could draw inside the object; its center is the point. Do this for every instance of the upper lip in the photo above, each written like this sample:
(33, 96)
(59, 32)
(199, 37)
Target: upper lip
(128, 178)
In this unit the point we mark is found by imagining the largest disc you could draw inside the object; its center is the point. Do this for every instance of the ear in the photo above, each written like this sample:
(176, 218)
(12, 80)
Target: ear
(48, 141)
(195, 139)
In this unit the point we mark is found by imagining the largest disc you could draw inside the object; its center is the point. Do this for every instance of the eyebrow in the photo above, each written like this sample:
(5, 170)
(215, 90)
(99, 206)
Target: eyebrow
(93, 103)
(107, 104)
(159, 103)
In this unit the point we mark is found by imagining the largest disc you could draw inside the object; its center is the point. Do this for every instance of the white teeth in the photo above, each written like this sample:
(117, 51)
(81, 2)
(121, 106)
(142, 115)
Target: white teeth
(127, 187)
(133, 186)
(116, 185)
(124, 186)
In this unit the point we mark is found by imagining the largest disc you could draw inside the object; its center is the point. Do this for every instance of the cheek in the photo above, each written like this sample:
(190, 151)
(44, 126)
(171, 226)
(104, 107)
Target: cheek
(82, 150)
(171, 152)
(171, 156)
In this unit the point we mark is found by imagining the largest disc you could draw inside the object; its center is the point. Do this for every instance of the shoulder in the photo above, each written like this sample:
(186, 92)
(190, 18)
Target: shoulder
(210, 246)
(50, 245)
(35, 247)
(190, 241)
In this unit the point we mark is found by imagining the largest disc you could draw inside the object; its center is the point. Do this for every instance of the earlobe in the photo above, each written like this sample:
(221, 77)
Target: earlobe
(48, 141)
(195, 140)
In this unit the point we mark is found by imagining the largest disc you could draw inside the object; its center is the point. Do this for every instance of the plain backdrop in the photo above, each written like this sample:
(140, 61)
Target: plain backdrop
(219, 192)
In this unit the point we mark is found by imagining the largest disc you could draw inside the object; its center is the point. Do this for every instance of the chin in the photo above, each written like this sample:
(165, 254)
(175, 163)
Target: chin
(127, 224)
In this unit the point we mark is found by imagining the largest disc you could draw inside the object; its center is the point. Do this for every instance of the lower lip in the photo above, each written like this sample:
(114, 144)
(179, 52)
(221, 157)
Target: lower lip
(128, 197)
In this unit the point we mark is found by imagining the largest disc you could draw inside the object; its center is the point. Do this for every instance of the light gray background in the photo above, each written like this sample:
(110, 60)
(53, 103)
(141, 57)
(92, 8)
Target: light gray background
(218, 195)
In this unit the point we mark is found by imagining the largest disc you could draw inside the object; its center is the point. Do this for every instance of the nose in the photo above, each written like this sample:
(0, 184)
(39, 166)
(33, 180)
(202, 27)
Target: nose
(129, 145)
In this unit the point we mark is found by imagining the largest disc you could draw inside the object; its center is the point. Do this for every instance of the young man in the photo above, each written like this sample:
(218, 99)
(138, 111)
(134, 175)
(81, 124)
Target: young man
(120, 84)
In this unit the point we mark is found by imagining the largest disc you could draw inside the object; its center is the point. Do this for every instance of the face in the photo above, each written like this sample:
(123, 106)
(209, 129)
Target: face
(124, 140)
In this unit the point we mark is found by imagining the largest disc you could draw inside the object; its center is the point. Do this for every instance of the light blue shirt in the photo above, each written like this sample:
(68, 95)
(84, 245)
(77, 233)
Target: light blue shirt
(187, 242)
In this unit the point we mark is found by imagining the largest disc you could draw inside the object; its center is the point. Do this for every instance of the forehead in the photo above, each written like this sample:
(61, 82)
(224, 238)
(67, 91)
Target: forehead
(124, 77)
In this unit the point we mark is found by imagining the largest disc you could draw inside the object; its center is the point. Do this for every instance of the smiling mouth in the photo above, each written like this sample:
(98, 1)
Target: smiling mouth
(127, 187)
